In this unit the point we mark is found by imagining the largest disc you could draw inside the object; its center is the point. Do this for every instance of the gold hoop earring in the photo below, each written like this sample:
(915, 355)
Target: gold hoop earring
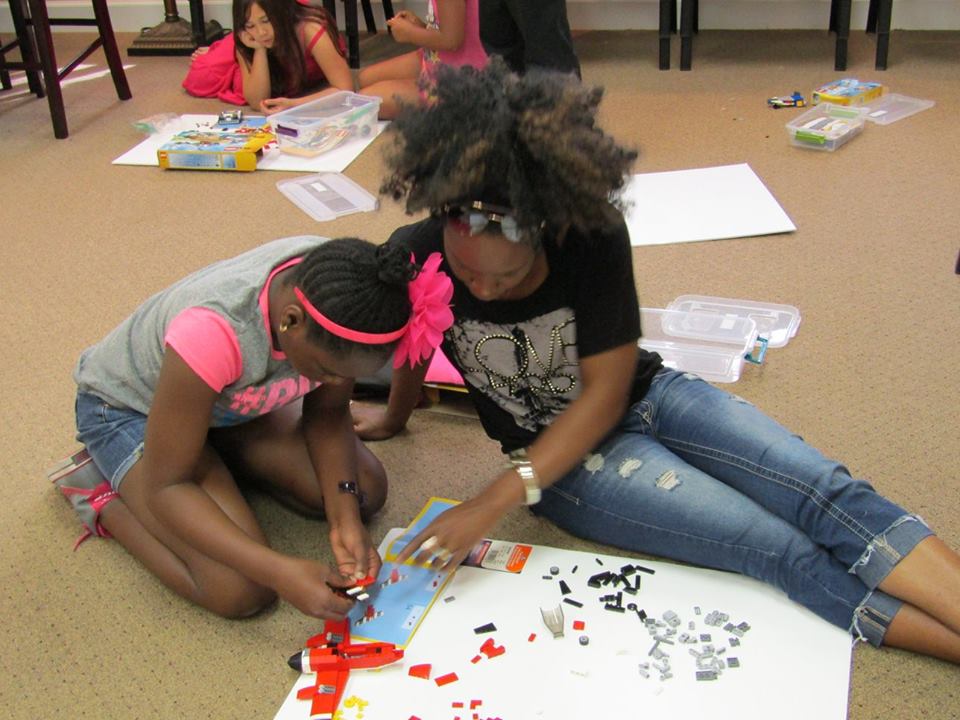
(283, 327)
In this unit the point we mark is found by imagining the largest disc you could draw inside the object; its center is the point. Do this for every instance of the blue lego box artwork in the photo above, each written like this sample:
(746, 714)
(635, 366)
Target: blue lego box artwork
(402, 595)
(223, 146)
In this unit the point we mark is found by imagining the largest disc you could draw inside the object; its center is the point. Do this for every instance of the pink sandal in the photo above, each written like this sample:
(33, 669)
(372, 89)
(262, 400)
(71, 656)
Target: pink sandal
(88, 491)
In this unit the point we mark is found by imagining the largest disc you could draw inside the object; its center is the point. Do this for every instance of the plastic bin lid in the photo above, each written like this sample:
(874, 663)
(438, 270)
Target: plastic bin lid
(326, 107)
(890, 108)
(776, 323)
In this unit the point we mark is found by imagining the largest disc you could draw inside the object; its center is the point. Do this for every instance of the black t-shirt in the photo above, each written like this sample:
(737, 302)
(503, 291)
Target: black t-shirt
(520, 359)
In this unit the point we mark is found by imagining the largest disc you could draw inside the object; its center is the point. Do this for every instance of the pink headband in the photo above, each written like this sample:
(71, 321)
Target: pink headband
(430, 294)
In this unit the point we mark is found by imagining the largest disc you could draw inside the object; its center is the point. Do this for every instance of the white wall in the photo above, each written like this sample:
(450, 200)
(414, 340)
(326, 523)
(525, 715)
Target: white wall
(132, 15)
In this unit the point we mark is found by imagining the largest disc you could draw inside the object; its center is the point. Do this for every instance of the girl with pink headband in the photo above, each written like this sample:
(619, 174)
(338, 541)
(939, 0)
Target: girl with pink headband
(243, 372)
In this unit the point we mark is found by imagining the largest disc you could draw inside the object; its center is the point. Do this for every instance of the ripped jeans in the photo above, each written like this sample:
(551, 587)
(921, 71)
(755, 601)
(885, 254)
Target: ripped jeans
(696, 474)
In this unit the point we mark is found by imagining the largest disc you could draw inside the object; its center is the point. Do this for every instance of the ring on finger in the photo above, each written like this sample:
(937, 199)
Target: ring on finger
(430, 544)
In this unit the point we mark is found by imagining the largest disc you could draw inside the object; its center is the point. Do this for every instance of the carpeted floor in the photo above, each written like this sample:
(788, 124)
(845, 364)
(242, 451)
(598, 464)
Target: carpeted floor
(871, 378)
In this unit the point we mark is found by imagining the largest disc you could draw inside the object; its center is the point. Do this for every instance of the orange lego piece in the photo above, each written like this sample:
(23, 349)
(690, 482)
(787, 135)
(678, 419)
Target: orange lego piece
(447, 679)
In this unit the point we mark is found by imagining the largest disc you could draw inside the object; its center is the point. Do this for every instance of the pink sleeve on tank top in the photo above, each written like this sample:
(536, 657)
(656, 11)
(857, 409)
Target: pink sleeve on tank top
(208, 344)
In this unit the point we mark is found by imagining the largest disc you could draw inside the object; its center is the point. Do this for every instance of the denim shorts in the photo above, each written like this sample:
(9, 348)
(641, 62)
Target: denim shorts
(112, 436)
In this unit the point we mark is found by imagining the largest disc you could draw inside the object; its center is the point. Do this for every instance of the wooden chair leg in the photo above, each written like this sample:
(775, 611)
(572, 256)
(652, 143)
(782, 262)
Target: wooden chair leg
(109, 44)
(884, 13)
(842, 28)
(48, 61)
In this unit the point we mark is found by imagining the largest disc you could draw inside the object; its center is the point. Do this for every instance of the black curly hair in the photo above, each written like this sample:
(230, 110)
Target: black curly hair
(528, 142)
(359, 285)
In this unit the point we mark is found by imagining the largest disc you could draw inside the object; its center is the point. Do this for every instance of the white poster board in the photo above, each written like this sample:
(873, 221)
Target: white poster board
(791, 664)
(704, 204)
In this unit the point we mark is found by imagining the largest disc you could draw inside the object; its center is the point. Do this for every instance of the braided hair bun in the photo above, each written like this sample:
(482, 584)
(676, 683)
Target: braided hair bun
(359, 285)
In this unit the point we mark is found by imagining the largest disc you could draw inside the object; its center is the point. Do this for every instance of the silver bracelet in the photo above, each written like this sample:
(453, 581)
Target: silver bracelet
(528, 475)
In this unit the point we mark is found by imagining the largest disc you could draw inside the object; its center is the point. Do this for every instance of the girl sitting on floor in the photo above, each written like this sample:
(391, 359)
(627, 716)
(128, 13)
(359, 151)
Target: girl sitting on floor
(280, 49)
(244, 370)
(450, 35)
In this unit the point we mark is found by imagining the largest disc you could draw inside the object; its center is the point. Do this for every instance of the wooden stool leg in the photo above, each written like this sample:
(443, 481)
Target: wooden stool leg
(28, 48)
(872, 16)
(353, 35)
(843, 34)
(688, 12)
(48, 61)
(884, 12)
(666, 8)
(368, 16)
(110, 49)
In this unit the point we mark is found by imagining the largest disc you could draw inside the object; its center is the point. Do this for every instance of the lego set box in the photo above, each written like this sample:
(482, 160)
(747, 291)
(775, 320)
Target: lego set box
(233, 146)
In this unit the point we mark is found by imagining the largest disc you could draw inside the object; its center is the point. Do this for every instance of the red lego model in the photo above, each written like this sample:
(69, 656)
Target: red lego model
(331, 656)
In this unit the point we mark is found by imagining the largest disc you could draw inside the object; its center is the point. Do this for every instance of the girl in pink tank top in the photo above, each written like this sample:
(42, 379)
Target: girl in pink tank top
(284, 48)
(450, 34)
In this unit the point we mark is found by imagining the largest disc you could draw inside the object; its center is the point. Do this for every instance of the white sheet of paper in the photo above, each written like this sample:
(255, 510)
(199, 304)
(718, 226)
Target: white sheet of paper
(786, 648)
(704, 204)
(336, 160)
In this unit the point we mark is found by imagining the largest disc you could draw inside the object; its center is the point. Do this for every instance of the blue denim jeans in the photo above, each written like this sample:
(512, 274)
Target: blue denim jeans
(696, 474)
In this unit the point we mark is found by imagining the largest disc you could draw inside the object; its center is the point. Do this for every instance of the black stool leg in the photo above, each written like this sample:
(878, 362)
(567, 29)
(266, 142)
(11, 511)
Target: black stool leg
(884, 11)
(353, 36)
(48, 61)
(110, 49)
(668, 10)
(368, 16)
(688, 19)
(872, 16)
(27, 45)
(387, 9)
(843, 34)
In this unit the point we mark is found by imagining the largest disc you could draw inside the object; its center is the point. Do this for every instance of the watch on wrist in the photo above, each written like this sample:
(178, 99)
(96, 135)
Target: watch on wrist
(351, 487)
(528, 475)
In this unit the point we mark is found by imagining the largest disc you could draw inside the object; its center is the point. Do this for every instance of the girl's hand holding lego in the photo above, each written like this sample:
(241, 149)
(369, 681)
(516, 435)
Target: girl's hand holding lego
(356, 556)
(306, 585)
(452, 535)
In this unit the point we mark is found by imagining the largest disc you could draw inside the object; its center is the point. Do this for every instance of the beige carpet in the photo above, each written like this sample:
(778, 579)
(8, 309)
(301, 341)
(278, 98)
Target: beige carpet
(871, 377)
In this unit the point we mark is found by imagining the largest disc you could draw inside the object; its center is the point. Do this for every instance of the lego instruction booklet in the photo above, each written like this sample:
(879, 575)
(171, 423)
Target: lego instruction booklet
(637, 638)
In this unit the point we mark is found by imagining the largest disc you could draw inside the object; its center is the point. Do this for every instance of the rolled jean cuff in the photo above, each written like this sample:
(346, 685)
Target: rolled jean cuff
(888, 548)
(873, 617)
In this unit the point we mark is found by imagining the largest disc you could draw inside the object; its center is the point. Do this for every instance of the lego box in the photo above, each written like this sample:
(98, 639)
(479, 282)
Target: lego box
(848, 91)
(214, 149)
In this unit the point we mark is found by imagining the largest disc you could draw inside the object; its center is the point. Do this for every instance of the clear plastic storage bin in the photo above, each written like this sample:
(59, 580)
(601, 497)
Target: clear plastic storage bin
(708, 345)
(826, 127)
(321, 125)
